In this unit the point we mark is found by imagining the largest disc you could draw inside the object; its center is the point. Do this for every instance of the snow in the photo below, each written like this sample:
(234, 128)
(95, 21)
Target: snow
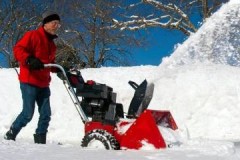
(202, 94)
(218, 40)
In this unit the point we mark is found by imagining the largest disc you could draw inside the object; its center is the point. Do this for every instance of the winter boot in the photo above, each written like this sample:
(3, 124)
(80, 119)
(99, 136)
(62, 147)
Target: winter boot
(11, 134)
(40, 138)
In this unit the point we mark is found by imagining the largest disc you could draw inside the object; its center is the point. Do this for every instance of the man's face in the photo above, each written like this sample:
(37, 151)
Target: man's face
(52, 26)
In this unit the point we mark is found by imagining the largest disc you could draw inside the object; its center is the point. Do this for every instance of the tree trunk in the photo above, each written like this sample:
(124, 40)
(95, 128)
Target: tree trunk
(205, 9)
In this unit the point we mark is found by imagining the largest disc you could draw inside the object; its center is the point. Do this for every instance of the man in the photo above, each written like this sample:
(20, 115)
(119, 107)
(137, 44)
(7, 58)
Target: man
(35, 49)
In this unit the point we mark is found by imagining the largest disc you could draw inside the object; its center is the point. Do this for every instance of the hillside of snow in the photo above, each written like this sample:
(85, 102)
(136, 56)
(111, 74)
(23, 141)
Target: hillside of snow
(218, 40)
(203, 98)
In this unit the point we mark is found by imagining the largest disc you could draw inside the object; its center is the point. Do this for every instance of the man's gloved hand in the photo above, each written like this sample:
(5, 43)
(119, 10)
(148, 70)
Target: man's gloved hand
(34, 63)
(61, 75)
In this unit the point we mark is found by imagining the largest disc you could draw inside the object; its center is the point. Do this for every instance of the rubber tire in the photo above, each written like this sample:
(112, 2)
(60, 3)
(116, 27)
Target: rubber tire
(107, 139)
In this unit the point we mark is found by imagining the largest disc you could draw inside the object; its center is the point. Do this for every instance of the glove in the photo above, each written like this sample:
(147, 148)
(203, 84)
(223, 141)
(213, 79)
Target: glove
(34, 63)
(60, 73)
(61, 76)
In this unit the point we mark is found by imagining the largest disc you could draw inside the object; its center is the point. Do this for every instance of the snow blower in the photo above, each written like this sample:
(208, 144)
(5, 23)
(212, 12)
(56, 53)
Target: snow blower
(104, 120)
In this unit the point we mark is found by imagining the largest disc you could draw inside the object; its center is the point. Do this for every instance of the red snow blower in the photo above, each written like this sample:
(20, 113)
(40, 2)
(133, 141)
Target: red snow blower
(104, 119)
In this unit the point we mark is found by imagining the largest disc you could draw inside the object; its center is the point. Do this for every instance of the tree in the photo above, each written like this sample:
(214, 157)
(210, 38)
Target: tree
(14, 22)
(88, 36)
(170, 14)
(67, 56)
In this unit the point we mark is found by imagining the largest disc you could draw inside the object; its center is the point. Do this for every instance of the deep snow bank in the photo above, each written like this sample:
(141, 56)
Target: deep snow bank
(203, 98)
(216, 41)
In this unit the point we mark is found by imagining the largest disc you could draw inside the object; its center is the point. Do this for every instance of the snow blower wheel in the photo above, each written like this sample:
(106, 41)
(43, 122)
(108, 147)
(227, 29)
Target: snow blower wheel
(100, 139)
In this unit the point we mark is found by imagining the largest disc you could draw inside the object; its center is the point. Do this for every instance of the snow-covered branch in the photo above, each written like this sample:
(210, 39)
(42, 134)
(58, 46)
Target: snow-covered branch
(172, 18)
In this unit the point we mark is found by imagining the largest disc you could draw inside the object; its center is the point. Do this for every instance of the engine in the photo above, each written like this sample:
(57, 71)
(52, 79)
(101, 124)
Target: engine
(99, 102)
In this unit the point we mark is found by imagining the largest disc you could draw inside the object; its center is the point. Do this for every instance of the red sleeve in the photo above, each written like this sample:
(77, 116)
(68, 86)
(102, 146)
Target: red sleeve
(23, 48)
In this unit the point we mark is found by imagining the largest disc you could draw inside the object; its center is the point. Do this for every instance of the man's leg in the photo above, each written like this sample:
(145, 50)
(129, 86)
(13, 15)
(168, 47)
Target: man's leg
(28, 96)
(44, 110)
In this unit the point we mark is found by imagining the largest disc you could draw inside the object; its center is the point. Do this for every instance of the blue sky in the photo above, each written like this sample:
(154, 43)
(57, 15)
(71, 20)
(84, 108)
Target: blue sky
(161, 44)
(2, 61)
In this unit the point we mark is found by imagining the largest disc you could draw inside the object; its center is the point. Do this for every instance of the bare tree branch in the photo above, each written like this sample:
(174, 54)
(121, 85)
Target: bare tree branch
(171, 16)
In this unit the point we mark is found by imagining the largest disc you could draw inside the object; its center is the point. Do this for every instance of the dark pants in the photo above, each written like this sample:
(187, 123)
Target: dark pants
(30, 95)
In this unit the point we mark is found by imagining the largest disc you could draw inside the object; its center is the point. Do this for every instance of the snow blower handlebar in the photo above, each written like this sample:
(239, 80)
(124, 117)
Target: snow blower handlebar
(73, 95)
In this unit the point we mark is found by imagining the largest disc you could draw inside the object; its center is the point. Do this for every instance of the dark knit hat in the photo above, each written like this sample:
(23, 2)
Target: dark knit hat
(49, 16)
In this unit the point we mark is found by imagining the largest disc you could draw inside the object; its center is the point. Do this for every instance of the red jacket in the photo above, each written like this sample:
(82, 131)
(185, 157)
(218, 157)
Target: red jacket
(38, 44)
